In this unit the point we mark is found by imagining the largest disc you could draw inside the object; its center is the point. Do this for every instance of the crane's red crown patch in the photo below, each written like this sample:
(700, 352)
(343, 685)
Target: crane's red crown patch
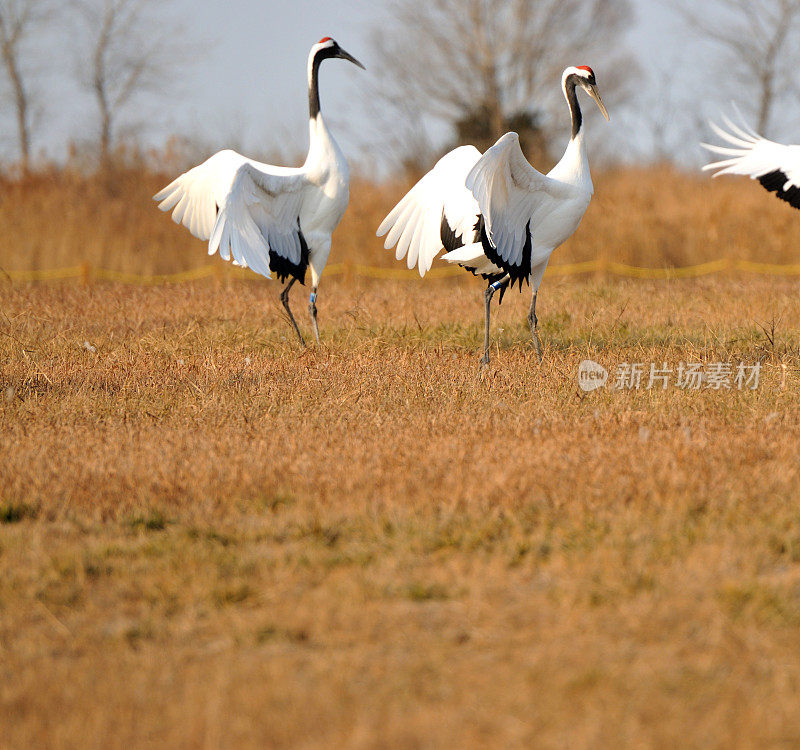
(586, 68)
(324, 39)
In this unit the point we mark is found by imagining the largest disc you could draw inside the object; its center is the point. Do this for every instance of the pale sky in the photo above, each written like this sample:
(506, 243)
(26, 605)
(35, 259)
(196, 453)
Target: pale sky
(246, 84)
(246, 79)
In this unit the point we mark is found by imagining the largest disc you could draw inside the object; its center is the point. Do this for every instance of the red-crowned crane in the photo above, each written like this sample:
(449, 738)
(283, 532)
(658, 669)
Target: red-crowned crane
(271, 219)
(775, 166)
(496, 215)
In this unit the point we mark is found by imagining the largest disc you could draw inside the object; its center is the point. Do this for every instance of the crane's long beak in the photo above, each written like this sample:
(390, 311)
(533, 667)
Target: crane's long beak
(595, 94)
(347, 56)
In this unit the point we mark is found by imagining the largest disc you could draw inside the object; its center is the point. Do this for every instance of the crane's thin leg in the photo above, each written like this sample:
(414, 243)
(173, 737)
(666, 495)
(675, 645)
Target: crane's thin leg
(487, 295)
(285, 300)
(533, 321)
(312, 309)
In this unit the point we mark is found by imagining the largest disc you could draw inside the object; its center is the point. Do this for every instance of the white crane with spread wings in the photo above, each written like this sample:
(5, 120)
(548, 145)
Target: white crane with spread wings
(271, 219)
(495, 214)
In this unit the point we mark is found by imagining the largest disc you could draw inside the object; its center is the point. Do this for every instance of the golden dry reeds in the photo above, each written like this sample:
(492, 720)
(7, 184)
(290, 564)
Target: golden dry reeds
(655, 217)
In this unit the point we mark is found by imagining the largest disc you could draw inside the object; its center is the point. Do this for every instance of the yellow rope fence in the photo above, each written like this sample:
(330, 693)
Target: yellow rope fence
(87, 273)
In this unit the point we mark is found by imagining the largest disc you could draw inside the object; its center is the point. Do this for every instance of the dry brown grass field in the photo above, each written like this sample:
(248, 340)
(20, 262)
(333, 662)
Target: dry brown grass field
(211, 538)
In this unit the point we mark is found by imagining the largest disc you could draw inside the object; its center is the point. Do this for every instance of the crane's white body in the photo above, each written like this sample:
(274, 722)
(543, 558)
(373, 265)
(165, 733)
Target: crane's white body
(774, 165)
(248, 211)
(244, 208)
(503, 188)
(512, 195)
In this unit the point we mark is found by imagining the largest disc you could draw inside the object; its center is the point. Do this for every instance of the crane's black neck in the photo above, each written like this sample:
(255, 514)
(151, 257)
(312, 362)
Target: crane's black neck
(571, 85)
(325, 53)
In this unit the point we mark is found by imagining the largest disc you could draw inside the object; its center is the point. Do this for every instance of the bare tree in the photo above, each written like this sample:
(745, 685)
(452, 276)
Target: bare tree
(493, 61)
(129, 48)
(19, 19)
(759, 41)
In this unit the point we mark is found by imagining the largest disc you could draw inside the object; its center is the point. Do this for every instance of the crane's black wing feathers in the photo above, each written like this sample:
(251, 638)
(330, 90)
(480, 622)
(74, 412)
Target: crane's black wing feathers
(775, 181)
(450, 241)
(518, 274)
(284, 268)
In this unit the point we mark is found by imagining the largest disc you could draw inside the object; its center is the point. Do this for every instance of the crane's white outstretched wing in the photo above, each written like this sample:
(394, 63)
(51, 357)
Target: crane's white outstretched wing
(511, 195)
(195, 197)
(261, 214)
(438, 211)
(775, 166)
(243, 208)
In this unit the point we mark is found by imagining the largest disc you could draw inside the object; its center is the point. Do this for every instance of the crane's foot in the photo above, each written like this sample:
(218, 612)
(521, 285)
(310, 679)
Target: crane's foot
(537, 343)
